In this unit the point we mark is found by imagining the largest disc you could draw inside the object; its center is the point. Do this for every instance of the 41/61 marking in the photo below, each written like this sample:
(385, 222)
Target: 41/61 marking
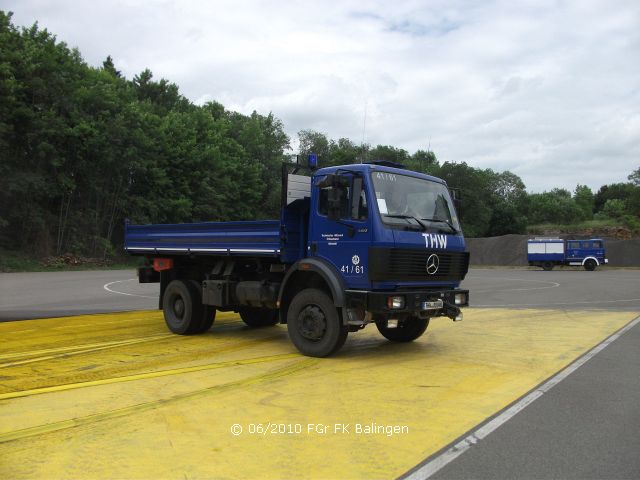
(352, 269)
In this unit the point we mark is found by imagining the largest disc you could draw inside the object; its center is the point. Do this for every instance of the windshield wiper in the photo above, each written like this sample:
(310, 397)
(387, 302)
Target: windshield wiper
(407, 217)
(439, 220)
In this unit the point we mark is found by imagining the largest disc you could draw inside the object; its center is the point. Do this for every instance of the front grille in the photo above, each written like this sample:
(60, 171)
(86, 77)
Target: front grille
(410, 265)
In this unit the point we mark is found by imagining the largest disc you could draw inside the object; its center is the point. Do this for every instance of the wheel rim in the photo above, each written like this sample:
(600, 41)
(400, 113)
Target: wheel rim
(178, 307)
(312, 323)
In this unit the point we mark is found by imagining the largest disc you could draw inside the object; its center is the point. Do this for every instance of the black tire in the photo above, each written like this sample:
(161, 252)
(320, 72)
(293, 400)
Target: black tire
(208, 314)
(590, 265)
(547, 266)
(208, 317)
(406, 331)
(314, 324)
(259, 317)
(182, 307)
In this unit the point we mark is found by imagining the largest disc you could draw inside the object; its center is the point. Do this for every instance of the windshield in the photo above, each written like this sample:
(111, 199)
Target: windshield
(414, 203)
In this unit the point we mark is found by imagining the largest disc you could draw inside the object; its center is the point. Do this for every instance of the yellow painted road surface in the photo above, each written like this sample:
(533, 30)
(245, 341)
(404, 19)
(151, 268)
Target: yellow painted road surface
(117, 396)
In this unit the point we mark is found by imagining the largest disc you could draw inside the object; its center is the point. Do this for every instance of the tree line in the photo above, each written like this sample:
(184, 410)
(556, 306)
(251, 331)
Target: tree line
(84, 148)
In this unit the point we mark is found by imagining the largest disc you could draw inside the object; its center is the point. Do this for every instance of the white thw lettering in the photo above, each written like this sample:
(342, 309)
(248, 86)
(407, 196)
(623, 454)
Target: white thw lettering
(432, 240)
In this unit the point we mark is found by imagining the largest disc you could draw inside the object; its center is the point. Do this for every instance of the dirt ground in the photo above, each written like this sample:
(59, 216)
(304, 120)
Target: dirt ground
(512, 250)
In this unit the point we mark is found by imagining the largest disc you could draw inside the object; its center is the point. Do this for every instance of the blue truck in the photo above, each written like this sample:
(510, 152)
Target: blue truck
(549, 252)
(355, 244)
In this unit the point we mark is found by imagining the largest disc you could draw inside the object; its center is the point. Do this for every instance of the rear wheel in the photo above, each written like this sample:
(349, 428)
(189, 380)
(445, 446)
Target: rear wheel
(182, 308)
(590, 265)
(548, 266)
(406, 331)
(208, 317)
(314, 325)
(258, 317)
(208, 314)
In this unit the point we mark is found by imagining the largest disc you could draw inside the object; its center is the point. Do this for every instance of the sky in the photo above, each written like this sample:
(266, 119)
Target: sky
(549, 90)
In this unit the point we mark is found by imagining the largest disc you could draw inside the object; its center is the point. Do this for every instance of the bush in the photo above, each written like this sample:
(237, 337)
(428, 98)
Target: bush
(614, 208)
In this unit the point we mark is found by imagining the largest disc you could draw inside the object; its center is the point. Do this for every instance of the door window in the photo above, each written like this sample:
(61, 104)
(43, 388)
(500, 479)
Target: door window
(353, 203)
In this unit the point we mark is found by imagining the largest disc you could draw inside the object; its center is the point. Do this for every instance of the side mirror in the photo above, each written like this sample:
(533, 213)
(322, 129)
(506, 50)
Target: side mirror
(457, 198)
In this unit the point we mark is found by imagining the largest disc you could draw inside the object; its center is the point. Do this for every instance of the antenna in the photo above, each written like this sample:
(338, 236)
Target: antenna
(364, 126)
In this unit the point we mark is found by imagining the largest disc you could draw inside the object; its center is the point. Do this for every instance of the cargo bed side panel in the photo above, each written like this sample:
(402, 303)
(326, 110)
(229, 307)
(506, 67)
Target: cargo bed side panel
(206, 238)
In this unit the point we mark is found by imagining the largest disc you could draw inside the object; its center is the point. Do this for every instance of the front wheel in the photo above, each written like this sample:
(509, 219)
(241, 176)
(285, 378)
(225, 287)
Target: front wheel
(258, 317)
(406, 331)
(314, 325)
(590, 265)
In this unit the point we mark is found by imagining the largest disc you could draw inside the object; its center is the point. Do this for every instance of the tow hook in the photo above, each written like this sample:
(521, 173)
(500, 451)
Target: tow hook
(453, 312)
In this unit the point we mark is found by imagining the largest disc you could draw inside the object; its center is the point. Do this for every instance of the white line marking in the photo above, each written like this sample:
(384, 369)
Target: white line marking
(107, 285)
(550, 285)
(436, 463)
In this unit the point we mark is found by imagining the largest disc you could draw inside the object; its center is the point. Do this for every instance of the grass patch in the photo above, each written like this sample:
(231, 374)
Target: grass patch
(16, 261)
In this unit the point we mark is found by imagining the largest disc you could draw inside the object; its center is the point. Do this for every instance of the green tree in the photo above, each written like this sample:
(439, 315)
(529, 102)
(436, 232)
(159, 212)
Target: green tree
(389, 153)
(311, 141)
(506, 219)
(344, 152)
(109, 66)
(476, 211)
(620, 191)
(424, 161)
(614, 208)
(584, 199)
(556, 206)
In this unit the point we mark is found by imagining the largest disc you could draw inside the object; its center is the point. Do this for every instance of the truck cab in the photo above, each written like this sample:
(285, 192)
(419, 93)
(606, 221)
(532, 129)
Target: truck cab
(355, 245)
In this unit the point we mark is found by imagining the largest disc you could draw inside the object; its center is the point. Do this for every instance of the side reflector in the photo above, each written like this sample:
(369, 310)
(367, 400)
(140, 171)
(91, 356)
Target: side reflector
(160, 264)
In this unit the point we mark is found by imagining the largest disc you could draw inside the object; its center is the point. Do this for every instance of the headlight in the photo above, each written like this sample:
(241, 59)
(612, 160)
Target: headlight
(395, 303)
(461, 299)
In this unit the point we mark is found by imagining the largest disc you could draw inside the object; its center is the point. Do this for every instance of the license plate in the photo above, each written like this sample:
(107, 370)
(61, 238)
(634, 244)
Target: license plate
(435, 305)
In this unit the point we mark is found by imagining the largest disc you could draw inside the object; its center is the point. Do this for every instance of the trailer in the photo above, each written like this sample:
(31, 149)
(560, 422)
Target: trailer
(549, 252)
(354, 245)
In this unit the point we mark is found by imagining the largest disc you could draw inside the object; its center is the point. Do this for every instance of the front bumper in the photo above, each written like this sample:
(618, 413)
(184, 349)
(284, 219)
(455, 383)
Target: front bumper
(432, 303)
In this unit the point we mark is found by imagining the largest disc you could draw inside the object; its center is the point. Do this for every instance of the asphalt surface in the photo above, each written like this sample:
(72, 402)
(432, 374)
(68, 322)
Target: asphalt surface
(57, 294)
(562, 289)
(587, 426)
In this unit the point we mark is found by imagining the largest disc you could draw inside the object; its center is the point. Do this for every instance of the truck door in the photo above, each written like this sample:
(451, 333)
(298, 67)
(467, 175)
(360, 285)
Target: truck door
(340, 228)
(573, 251)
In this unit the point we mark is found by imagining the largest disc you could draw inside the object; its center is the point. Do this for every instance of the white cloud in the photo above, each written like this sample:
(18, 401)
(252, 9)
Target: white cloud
(549, 90)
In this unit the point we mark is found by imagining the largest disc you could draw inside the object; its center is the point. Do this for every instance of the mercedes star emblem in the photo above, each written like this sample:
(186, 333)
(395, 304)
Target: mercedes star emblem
(433, 262)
